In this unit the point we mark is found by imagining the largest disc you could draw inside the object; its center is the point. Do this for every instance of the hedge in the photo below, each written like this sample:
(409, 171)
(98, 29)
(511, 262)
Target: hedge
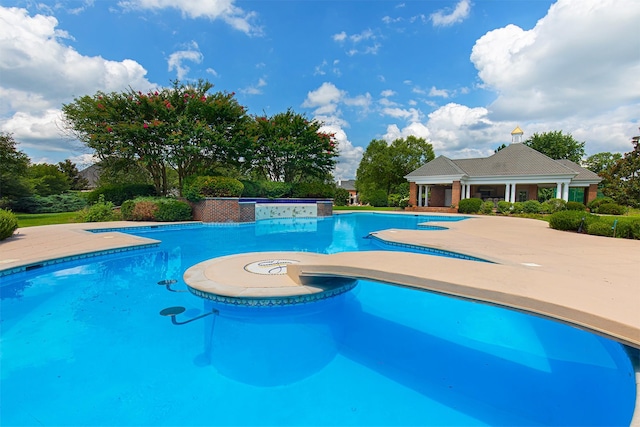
(66, 202)
(576, 206)
(212, 186)
(487, 208)
(571, 220)
(611, 209)
(156, 209)
(117, 194)
(8, 224)
(469, 206)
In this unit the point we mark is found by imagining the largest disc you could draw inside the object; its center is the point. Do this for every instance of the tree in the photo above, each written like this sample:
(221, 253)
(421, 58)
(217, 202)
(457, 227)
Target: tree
(600, 162)
(13, 169)
(71, 171)
(557, 146)
(384, 166)
(287, 147)
(623, 178)
(503, 146)
(183, 128)
(47, 179)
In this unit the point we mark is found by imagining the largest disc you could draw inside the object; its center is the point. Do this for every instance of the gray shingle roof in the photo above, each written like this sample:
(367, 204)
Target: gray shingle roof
(513, 160)
(347, 184)
(583, 174)
(441, 165)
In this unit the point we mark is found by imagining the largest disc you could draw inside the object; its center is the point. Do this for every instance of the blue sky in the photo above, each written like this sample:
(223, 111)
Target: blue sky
(461, 74)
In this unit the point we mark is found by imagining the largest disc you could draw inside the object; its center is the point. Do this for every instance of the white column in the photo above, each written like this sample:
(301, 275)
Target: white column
(426, 195)
(419, 194)
(559, 191)
(565, 192)
(513, 192)
(507, 192)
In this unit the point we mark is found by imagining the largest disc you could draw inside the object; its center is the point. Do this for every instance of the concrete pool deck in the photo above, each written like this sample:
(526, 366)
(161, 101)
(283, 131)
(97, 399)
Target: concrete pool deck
(594, 275)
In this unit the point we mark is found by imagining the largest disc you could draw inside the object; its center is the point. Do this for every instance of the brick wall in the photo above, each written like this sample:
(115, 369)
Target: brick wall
(325, 208)
(217, 210)
(224, 209)
(456, 191)
(532, 192)
(591, 193)
(413, 194)
(247, 211)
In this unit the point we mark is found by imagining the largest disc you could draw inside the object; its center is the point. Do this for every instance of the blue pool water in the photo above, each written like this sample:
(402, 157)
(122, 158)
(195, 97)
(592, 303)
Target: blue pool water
(83, 344)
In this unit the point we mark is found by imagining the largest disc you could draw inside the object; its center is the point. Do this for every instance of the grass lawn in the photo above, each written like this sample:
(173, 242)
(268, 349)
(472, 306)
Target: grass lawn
(31, 220)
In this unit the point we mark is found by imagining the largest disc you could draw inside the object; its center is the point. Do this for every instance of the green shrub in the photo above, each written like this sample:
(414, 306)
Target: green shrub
(576, 206)
(403, 203)
(611, 209)
(600, 228)
(594, 204)
(173, 210)
(377, 198)
(251, 189)
(469, 206)
(318, 190)
(504, 207)
(67, 202)
(8, 224)
(100, 212)
(626, 228)
(126, 210)
(274, 190)
(212, 186)
(341, 198)
(531, 206)
(571, 220)
(394, 199)
(553, 206)
(118, 193)
(517, 208)
(487, 208)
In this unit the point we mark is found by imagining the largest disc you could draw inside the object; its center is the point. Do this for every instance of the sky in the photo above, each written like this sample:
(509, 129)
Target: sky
(462, 74)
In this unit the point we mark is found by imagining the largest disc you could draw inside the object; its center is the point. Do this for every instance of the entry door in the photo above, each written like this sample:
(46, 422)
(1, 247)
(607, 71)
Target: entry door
(447, 197)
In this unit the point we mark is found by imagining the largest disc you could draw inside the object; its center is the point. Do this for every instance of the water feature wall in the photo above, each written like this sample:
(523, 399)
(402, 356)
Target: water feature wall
(229, 209)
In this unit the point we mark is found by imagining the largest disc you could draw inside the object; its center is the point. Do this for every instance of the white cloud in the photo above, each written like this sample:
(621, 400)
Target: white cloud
(225, 10)
(340, 37)
(413, 129)
(328, 93)
(438, 92)
(40, 72)
(176, 59)
(357, 42)
(411, 115)
(387, 93)
(255, 89)
(578, 60)
(446, 17)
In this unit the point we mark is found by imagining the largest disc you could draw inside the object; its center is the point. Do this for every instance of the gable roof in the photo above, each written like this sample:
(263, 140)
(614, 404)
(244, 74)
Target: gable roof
(583, 174)
(513, 160)
(441, 165)
(347, 184)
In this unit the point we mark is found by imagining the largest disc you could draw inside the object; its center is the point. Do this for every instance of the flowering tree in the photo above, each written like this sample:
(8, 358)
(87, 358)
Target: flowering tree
(182, 127)
(287, 147)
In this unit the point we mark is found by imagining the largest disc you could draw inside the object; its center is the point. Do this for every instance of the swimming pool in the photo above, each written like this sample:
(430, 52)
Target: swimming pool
(83, 344)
